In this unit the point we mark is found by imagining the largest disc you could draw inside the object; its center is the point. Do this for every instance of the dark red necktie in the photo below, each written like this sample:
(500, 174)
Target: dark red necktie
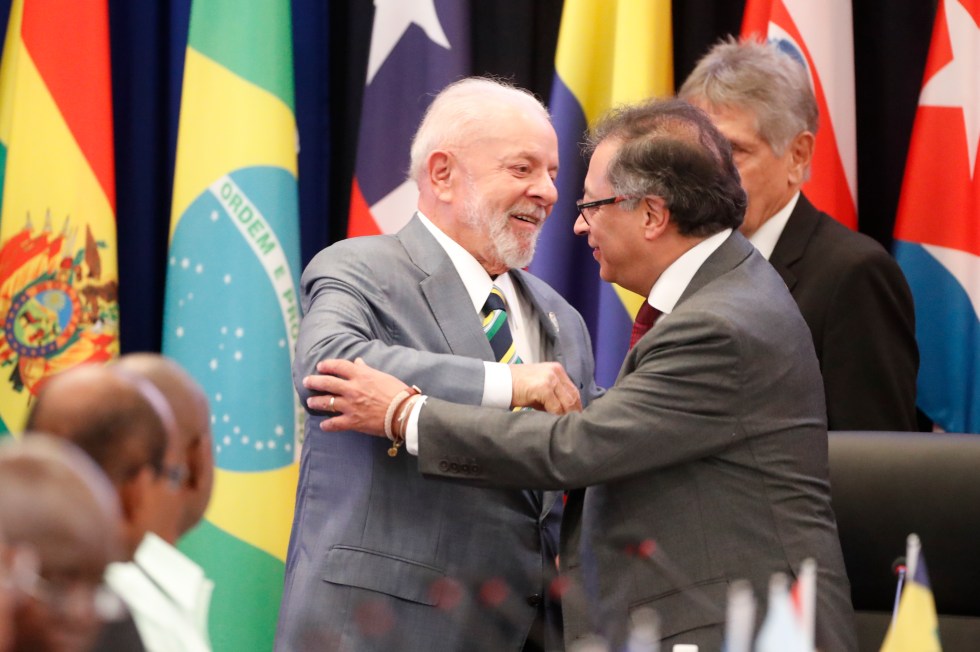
(645, 317)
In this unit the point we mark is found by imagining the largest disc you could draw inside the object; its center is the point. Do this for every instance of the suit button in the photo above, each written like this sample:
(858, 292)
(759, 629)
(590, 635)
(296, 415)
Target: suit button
(444, 466)
(534, 600)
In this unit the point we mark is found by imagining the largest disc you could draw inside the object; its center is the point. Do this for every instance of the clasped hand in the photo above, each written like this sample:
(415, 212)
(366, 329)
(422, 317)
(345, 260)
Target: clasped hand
(358, 395)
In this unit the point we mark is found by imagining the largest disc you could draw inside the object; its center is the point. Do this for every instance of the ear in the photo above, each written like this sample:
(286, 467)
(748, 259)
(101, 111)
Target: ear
(440, 167)
(656, 216)
(800, 153)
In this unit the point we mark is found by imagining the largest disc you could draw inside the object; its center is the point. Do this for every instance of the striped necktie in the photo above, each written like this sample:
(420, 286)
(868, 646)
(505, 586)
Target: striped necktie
(497, 330)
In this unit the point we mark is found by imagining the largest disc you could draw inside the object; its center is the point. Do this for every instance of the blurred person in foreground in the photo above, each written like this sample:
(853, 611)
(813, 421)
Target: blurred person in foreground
(167, 592)
(852, 294)
(61, 521)
(126, 425)
(381, 558)
(706, 462)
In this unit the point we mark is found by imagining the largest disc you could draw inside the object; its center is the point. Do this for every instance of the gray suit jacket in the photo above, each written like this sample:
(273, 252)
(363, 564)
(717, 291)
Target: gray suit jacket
(707, 462)
(381, 558)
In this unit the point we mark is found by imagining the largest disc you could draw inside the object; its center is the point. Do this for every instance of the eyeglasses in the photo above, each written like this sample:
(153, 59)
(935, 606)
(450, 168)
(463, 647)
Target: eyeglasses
(175, 475)
(590, 208)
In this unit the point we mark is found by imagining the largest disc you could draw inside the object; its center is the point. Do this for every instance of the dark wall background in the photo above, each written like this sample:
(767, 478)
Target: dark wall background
(511, 38)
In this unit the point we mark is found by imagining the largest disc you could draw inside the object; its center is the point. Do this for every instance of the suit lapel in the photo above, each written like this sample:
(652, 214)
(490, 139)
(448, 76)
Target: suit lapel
(548, 319)
(723, 259)
(445, 293)
(793, 240)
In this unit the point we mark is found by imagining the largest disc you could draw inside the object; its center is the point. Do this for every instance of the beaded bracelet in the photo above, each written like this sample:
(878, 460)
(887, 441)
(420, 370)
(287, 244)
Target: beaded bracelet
(396, 402)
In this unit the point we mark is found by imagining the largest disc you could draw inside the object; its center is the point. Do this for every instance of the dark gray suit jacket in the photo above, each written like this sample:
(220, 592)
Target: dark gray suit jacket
(859, 308)
(381, 558)
(707, 462)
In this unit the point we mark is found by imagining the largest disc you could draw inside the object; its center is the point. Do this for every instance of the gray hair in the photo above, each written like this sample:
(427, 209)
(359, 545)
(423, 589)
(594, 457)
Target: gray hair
(671, 149)
(767, 81)
(460, 111)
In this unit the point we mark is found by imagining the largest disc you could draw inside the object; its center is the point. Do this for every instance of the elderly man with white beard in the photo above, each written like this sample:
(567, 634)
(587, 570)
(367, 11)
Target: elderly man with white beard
(381, 558)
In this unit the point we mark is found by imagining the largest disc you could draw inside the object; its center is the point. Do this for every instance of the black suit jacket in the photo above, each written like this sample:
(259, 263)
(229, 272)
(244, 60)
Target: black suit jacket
(859, 308)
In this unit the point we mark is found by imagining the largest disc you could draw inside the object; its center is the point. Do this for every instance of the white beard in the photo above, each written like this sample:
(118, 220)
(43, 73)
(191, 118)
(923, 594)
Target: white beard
(504, 246)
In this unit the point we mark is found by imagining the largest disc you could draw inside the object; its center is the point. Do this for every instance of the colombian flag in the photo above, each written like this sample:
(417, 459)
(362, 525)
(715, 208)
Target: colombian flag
(820, 36)
(58, 279)
(915, 627)
(609, 52)
(231, 312)
(937, 232)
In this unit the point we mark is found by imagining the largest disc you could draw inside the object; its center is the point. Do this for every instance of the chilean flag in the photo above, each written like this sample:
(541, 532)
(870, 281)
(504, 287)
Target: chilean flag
(417, 48)
(821, 35)
(937, 231)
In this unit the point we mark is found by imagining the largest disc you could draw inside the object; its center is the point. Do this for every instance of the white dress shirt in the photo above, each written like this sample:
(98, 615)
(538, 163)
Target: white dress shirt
(167, 594)
(766, 236)
(667, 289)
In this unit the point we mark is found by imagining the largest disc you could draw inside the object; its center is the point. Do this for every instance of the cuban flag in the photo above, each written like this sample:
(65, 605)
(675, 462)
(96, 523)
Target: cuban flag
(417, 48)
(937, 231)
(609, 52)
(820, 35)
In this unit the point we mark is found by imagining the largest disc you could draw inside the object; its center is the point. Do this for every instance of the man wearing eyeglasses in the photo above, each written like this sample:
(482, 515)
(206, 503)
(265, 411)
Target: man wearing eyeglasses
(381, 558)
(126, 425)
(167, 592)
(706, 462)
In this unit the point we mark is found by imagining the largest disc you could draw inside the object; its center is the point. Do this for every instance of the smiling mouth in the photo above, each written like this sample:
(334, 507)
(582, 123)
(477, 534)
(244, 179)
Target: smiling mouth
(529, 219)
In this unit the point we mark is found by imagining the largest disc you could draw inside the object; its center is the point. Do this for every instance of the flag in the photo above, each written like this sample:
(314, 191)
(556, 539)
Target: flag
(739, 617)
(781, 630)
(820, 35)
(417, 48)
(609, 52)
(937, 230)
(915, 627)
(804, 596)
(231, 312)
(58, 279)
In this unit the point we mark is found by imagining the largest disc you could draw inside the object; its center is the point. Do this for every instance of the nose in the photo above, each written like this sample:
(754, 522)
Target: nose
(544, 190)
(581, 227)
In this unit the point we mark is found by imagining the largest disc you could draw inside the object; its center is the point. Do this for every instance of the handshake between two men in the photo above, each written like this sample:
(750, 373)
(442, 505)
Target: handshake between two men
(360, 396)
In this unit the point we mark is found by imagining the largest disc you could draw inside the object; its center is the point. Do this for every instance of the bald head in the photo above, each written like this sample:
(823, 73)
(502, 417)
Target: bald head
(120, 420)
(193, 417)
(57, 504)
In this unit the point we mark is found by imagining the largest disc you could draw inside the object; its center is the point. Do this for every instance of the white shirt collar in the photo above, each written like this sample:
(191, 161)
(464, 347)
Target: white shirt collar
(175, 573)
(667, 291)
(475, 279)
(767, 235)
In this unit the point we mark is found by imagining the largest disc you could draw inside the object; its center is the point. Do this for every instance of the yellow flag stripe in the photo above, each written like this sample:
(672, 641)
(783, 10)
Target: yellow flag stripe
(218, 107)
(256, 507)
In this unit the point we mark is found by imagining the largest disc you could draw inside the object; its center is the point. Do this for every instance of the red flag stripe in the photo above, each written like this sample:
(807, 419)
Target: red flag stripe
(68, 41)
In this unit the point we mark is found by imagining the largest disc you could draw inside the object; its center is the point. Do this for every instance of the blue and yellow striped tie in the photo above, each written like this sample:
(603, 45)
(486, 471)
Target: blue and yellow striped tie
(497, 330)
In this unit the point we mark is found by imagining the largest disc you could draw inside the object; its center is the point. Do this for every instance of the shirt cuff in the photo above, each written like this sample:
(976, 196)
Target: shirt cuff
(412, 429)
(498, 385)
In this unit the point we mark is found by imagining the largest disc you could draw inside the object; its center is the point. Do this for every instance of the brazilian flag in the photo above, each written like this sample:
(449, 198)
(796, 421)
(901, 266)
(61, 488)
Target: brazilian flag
(232, 311)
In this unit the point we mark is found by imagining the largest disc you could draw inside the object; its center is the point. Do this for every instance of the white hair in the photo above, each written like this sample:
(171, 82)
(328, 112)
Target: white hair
(460, 111)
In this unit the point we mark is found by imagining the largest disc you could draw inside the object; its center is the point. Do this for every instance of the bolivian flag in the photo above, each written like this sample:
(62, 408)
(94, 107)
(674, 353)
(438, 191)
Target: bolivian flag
(232, 311)
(58, 280)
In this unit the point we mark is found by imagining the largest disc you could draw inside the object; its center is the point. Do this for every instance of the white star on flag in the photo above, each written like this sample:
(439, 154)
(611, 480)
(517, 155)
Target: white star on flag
(957, 84)
(392, 18)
